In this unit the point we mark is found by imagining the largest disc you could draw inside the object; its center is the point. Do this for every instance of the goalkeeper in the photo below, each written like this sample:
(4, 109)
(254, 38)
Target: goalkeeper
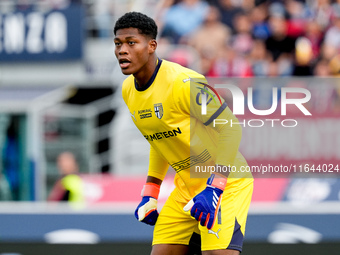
(165, 103)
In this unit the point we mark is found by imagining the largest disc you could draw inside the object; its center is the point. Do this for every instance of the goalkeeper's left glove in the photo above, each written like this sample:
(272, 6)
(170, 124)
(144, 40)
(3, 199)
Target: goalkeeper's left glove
(204, 206)
(147, 209)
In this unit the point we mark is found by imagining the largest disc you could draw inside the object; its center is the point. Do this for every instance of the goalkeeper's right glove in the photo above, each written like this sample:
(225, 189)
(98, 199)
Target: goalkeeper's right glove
(147, 209)
(204, 206)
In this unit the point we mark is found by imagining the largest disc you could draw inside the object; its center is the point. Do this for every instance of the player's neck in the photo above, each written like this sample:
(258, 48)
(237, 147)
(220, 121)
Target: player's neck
(144, 75)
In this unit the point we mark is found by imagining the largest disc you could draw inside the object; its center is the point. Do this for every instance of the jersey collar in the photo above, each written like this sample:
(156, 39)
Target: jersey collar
(148, 84)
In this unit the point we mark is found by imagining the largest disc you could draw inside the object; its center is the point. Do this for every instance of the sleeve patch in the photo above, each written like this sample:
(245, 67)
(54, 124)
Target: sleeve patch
(216, 114)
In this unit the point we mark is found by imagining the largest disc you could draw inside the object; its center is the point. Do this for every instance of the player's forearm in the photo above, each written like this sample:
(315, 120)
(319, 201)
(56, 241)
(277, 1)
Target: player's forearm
(158, 166)
(228, 145)
(229, 140)
(151, 179)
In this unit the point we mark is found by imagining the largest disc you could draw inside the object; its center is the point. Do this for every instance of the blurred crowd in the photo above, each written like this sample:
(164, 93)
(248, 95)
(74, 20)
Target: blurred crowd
(233, 38)
(250, 38)
(25, 5)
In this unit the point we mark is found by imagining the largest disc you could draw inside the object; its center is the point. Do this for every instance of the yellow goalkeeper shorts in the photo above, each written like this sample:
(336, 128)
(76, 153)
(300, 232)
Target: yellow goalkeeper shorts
(174, 226)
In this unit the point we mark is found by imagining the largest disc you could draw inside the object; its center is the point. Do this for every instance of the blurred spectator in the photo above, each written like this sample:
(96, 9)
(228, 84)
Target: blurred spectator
(314, 34)
(303, 57)
(332, 36)
(279, 43)
(322, 69)
(183, 18)
(336, 8)
(328, 51)
(11, 156)
(277, 9)
(321, 12)
(246, 25)
(247, 5)
(260, 59)
(331, 43)
(180, 56)
(230, 64)
(296, 18)
(334, 66)
(160, 10)
(212, 27)
(260, 27)
(70, 186)
(242, 41)
(274, 69)
(228, 11)
(285, 66)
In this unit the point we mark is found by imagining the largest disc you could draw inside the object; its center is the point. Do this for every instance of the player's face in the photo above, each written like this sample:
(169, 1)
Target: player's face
(133, 50)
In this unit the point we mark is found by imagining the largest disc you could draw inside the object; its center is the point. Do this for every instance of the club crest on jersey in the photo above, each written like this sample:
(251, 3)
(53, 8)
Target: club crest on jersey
(159, 110)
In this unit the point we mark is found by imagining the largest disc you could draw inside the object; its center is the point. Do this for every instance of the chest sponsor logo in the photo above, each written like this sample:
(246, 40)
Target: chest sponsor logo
(143, 114)
(163, 134)
(159, 110)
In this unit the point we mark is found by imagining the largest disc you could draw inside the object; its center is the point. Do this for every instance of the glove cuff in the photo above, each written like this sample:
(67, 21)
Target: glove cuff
(217, 182)
(151, 190)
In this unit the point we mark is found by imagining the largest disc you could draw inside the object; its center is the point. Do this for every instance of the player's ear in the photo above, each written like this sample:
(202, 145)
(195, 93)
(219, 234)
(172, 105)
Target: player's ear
(152, 46)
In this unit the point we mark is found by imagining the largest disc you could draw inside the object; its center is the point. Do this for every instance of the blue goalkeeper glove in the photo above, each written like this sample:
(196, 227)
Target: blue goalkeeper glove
(147, 209)
(204, 206)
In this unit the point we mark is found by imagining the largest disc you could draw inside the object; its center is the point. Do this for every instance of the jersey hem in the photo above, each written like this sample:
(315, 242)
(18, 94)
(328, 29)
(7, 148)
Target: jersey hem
(163, 242)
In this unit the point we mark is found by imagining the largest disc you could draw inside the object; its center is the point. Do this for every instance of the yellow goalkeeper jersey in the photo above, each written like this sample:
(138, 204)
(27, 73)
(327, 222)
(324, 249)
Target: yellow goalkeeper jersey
(168, 112)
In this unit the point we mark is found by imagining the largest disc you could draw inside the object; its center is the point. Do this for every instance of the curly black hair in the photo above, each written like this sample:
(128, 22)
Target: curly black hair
(143, 23)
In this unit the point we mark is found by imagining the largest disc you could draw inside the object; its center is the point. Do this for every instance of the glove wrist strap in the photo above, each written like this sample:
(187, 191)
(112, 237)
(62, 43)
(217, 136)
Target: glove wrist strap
(151, 189)
(217, 181)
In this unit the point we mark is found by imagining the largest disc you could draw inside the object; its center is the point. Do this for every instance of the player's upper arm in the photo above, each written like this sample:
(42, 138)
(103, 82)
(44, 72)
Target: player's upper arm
(201, 101)
(193, 95)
